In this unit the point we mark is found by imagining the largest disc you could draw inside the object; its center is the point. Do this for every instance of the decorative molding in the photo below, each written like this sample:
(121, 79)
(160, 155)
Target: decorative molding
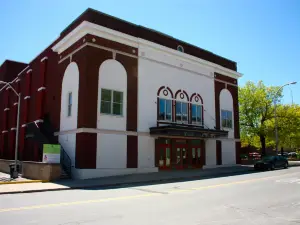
(24, 125)
(190, 59)
(5, 131)
(26, 97)
(104, 131)
(13, 128)
(226, 83)
(90, 28)
(18, 80)
(8, 88)
(15, 103)
(28, 71)
(97, 30)
(41, 88)
(6, 109)
(43, 59)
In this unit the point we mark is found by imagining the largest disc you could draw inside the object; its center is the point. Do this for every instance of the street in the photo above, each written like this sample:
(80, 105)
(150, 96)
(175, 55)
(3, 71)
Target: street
(271, 197)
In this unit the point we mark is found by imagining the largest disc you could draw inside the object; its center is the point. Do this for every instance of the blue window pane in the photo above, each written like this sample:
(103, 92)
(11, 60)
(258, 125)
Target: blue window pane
(199, 113)
(178, 111)
(184, 111)
(162, 109)
(194, 113)
(169, 110)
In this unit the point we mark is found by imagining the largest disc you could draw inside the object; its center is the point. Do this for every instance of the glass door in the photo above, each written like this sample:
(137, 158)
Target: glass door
(196, 149)
(181, 156)
(196, 157)
(164, 161)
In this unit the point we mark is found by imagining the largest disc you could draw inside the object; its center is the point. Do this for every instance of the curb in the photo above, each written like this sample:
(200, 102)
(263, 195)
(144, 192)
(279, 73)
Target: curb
(24, 182)
(115, 185)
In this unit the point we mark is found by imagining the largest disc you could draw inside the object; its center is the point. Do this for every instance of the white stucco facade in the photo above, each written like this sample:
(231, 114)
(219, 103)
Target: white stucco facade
(157, 66)
(70, 85)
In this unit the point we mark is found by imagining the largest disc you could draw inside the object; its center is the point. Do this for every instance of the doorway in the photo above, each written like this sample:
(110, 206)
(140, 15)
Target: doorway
(163, 152)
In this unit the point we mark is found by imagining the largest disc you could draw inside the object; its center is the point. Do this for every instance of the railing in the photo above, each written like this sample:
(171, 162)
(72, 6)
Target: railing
(44, 135)
(65, 162)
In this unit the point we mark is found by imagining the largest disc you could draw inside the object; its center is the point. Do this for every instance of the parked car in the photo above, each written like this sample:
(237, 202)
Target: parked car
(271, 163)
(293, 154)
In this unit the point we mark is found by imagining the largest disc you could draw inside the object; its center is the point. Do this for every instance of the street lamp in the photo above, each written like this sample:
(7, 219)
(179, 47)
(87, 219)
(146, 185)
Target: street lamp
(275, 115)
(15, 174)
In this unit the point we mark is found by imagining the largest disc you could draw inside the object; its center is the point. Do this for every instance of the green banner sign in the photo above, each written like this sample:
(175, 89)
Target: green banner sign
(51, 149)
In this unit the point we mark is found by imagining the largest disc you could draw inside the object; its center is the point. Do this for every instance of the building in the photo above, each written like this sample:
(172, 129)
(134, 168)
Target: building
(121, 98)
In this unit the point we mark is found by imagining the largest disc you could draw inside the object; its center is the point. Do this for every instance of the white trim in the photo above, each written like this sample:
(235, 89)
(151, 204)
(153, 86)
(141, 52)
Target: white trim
(41, 88)
(26, 97)
(190, 59)
(43, 59)
(8, 88)
(226, 83)
(6, 109)
(39, 121)
(112, 50)
(97, 30)
(94, 29)
(15, 103)
(5, 131)
(24, 125)
(28, 71)
(13, 128)
(18, 80)
(104, 131)
(95, 46)
(70, 54)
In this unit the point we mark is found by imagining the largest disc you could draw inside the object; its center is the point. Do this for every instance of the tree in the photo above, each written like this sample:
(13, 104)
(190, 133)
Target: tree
(257, 112)
(288, 126)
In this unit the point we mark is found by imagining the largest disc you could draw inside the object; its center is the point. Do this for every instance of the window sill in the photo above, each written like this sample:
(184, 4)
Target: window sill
(227, 128)
(112, 115)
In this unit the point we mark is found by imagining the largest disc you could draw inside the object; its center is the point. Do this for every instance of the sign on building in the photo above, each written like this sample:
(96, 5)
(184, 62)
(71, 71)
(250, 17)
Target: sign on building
(51, 153)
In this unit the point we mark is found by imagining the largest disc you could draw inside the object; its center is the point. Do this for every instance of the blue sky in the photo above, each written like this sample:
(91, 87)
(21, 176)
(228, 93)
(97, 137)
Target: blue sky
(263, 37)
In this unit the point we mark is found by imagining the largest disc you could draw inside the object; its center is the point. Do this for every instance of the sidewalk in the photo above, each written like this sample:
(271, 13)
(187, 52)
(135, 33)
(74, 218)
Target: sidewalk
(127, 180)
(117, 181)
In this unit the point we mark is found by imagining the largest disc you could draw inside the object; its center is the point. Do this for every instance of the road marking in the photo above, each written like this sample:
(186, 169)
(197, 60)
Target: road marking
(76, 203)
(231, 183)
(136, 196)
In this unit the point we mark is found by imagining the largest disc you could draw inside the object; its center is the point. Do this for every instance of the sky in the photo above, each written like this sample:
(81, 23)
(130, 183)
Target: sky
(263, 37)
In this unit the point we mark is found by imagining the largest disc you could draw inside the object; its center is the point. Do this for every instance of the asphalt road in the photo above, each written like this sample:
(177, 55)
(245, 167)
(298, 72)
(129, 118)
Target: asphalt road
(271, 197)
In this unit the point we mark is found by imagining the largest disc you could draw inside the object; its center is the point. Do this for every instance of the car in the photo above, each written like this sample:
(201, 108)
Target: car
(271, 163)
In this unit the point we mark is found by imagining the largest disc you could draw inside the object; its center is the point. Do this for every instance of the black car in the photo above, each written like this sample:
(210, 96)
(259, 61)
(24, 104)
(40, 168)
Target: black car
(271, 162)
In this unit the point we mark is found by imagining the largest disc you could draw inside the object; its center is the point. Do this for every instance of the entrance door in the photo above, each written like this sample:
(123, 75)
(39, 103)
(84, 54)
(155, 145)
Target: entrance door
(164, 161)
(182, 159)
(197, 153)
(196, 156)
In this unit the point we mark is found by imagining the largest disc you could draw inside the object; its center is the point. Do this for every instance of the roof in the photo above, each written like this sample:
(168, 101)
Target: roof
(148, 34)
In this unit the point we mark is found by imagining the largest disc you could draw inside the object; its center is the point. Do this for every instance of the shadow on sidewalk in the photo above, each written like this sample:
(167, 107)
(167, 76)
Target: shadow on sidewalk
(164, 177)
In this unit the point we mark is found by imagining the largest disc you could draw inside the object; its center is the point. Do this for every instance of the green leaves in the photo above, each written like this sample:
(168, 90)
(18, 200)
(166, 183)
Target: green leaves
(256, 104)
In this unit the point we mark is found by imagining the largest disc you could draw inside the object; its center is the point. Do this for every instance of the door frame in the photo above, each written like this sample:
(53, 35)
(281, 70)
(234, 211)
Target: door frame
(164, 147)
(199, 163)
(181, 146)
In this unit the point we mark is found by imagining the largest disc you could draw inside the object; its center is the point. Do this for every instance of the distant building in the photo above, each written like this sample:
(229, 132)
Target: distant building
(121, 98)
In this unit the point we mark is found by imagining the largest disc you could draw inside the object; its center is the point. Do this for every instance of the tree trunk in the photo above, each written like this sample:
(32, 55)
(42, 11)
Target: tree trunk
(263, 145)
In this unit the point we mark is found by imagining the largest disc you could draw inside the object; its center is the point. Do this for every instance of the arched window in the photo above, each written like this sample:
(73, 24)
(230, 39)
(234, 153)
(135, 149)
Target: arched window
(182, 107)
(197, 110)
(180, 48)
(164, 101)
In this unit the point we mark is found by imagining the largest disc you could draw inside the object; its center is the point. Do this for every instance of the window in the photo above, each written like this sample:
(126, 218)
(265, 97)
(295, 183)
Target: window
(165, 109)
(181, 112)
(197, 114)
(111, 102)
(180, 48)
(226, 119)
(70, 104)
